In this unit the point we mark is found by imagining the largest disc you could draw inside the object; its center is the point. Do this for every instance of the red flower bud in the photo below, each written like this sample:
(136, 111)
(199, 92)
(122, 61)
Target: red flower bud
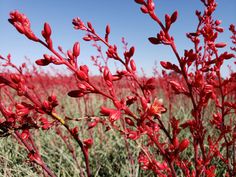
(15, 78)
(84, 68)
(177, 87)
(108, 29)
(133, 135)
(154, 40)
(218, 22)
(166, 65)
(150, 5)
(82, 87)
(47, 30)
(25, 134)
(92, 124)
(89, 25)
(139, 1)
(144, 9)
(19, 28)
(47, 57)
(183, 145)
(42, 62)
(75, 130)
(131, 51)
(220, 45)
(69, 54)
(76, 93)
(46, 104)
(133, 66)
(129, 121)
(176, 142)
(219, 29)
(82, 75)
(105, 111)
(87, 38)
(76, 49)
(144, 103)
(174, 17)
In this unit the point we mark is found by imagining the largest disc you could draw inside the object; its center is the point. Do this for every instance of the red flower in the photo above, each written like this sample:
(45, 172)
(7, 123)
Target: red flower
(157, 108)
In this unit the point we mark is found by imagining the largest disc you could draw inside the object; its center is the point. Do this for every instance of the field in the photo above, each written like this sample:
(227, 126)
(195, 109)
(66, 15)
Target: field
(179, 122)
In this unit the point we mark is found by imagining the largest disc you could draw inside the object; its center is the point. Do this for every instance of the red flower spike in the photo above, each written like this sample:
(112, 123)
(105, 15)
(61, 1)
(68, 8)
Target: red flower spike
(106, 111)
(76, 49)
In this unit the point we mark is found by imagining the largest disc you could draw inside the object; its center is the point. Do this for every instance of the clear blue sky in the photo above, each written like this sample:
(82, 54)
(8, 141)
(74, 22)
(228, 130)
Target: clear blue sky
(125, 20)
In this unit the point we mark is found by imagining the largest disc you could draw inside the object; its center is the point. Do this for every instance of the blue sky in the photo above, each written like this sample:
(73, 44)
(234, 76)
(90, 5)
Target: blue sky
(124, 17)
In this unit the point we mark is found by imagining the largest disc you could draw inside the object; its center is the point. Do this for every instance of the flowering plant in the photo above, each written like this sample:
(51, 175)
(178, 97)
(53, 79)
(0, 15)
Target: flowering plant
(138, 115)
